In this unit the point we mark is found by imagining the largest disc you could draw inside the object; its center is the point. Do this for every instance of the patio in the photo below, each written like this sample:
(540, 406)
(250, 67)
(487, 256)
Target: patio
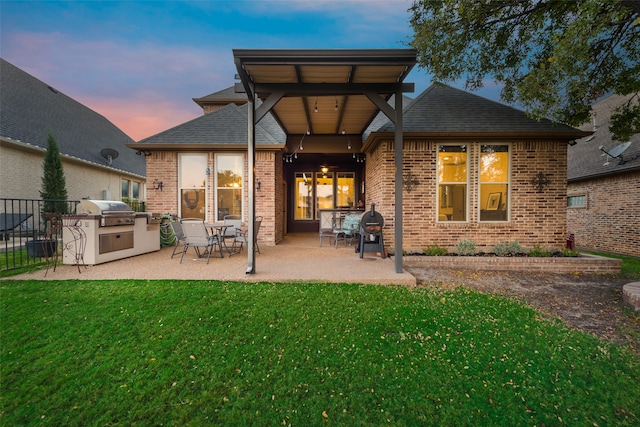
(297, 258)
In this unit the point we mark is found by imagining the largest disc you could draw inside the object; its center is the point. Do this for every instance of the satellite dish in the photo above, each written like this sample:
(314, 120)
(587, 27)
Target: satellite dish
(619, 149)
(109, 154)
(615, 151)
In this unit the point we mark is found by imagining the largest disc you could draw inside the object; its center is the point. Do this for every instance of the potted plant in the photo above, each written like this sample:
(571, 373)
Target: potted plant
(54, 194)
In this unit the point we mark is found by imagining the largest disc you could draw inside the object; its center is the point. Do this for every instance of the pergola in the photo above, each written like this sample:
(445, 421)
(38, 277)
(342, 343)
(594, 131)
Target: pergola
(324, 92)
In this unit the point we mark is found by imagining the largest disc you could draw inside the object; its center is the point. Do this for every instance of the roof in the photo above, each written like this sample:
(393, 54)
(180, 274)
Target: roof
(586, 160)
(223, 128)
(324, 91)
(30, 109)
(222, 97)
(444, 110)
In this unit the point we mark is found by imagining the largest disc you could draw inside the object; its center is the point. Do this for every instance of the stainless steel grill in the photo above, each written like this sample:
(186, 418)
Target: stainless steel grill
(111, 213)
(113, 231)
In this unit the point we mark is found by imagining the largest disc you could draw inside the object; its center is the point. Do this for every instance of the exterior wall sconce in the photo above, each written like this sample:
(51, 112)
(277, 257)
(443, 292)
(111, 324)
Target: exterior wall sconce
(410, 182)
(258, 185)
(540, 182)
(157, 185)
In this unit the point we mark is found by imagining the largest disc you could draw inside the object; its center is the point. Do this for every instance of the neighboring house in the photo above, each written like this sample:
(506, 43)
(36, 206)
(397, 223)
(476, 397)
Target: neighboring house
(97, 163)
(472, 168)
(604, 191)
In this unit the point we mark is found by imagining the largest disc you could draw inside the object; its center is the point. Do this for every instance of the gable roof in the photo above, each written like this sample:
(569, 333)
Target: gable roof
(444, 110)
(586, 160)
(222, 97)
(30, 109)
(225, 128)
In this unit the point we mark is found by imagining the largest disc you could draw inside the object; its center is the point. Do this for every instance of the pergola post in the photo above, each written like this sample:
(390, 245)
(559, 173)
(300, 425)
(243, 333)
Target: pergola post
(251, 182)
(398, 187)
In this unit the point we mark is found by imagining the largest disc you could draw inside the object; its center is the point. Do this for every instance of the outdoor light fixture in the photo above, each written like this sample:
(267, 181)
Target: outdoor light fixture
(316, 107)
(157, 185)
(258, 185)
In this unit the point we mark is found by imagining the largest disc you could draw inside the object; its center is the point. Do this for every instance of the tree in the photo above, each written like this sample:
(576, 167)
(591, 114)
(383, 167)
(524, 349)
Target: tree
(553, 57)
(54, 190)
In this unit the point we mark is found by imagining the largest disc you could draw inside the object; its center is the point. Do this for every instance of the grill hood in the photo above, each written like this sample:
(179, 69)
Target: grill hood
(103, 207)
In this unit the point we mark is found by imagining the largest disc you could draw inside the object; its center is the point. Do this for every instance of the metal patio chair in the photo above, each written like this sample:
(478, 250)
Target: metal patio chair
(197, 237)
(241, 236)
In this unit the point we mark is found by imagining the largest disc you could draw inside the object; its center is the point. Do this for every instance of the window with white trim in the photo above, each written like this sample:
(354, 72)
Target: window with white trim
(229, 179)
(494, 182)
(453, 176)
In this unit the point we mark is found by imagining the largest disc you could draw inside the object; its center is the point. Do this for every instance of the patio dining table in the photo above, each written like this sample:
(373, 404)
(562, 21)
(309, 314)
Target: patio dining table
(219, 229)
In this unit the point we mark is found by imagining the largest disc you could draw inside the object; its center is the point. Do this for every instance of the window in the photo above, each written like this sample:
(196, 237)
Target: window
(229, 172)
(315, 191)
(124, 189)
(192, 184)
(346, 190)
(577, 201)
(494, 182)
(324, 191)
(304, 195)
(135, 190)
(452, 182)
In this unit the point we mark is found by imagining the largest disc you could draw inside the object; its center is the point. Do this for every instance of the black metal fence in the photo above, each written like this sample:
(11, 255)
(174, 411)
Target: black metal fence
(25, 220)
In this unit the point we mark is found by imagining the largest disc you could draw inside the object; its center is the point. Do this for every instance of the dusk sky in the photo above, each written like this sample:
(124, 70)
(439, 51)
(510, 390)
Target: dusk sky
(140, 63)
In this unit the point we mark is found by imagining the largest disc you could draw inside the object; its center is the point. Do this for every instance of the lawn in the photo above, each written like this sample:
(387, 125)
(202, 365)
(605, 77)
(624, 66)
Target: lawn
(216, 353)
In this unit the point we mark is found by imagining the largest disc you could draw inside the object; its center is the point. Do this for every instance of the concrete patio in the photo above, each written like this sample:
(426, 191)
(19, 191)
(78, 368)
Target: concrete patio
(298, 257)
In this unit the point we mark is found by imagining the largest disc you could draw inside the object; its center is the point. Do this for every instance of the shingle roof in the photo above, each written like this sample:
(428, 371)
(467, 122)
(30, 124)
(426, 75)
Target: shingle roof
(224, 94)
(444, 109)
(585, 159)
(226, 126)
(30, 109)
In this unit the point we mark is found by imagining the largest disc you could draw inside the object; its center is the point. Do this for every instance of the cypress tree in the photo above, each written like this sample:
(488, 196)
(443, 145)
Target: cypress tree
(54, 188)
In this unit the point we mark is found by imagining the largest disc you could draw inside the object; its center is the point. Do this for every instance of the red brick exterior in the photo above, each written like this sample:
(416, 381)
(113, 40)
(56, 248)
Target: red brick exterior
(536, 218)
(269, 199)
(610, 222)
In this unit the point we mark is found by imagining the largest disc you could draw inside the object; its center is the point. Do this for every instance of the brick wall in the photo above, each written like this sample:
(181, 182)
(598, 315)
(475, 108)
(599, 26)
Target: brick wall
(535, 218)
(269, 199)
(163, 166)
(611, 220)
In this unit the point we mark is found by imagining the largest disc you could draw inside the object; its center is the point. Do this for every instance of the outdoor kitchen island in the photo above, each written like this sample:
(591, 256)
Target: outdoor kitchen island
(103, 231)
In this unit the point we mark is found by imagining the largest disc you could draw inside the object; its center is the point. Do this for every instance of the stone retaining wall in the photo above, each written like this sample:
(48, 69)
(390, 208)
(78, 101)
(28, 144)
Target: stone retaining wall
(582, 264)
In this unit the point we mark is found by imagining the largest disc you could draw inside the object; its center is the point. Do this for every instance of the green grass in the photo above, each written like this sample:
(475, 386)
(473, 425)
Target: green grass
(17, 262)
(630, 265)
(214, 353)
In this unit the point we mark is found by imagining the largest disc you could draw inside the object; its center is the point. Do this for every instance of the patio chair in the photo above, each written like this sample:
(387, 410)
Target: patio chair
(349, 228)
(197, 237)
(241, 236)
(234, 223)
(179, 241)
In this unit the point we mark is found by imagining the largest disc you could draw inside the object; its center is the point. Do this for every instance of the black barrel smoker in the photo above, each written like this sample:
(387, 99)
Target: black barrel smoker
(371, 232)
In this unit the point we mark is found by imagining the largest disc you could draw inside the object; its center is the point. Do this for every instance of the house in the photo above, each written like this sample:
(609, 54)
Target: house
(96, 161)
(326, 127)
(604, 186)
